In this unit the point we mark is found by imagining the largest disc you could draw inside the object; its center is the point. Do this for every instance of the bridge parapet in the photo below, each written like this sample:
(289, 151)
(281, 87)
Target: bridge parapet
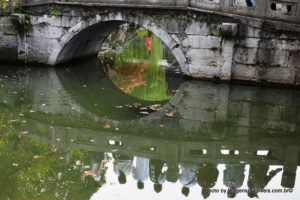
(264, 9)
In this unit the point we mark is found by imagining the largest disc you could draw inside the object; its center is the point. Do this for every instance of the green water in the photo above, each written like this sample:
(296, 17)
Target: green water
(84, 131)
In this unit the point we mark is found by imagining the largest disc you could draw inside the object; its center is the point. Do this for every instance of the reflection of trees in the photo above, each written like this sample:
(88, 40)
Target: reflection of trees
(137, 72)
(32, 170)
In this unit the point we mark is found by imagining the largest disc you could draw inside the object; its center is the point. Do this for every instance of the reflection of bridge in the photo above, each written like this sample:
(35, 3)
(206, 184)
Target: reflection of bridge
(221, 38)
(258, 125)
(261, 151)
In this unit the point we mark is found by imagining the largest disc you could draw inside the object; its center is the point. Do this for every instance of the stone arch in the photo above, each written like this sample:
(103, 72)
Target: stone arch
(86, 37)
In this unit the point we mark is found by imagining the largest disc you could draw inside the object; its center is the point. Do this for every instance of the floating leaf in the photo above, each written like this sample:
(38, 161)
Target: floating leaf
(144, 113)
(37, 157)
(170, 114)
(107, 126)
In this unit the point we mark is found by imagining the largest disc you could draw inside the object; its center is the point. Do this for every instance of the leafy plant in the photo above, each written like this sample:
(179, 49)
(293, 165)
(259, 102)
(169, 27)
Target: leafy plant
(7, 6)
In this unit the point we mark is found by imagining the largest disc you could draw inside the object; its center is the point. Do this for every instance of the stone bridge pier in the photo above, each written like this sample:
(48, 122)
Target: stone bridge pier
(222, 39)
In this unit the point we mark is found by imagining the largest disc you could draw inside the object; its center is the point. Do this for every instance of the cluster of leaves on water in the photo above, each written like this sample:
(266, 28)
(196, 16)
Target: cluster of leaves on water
(34, 170)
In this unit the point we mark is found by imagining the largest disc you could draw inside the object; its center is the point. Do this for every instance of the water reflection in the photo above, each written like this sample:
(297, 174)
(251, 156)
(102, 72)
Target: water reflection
(62, 137)
(137, 70)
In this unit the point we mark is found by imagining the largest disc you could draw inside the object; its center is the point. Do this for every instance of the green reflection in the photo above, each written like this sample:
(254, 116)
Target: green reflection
(34, 170)
(137, 70)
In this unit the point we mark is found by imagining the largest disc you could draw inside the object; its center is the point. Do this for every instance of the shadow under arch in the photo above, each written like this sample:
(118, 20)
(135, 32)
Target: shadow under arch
(85, 38)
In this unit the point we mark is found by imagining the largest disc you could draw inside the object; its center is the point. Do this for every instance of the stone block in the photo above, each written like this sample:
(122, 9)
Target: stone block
(244, 72)
(246, 56)
(276, 75)
(297, 76)
(9, 53)
(8, 29)
(202, 28)
(63, 21)
(8, 41)
(197, 115)
(201, 71)
(43, 44)
(37, 55)
(294, 59)
(273, 57)
(239, 109)
(251, 42)
(202, 42)
(41, 31)
(240, 121)
(253, 32)
(207, 57)
(241, 93)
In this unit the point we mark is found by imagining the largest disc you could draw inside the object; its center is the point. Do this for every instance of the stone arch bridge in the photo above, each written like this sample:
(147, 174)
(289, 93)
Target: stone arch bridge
(223, 39)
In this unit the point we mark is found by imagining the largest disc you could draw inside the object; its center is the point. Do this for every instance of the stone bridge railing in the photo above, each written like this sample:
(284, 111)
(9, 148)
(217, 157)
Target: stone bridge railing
(279, 10)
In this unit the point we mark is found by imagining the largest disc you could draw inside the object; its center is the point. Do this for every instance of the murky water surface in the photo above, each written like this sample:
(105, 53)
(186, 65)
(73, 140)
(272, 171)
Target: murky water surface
(131, 128)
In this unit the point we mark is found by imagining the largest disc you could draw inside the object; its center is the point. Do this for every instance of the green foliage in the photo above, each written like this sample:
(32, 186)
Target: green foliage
(27, 19)
(23, 177)
(153, 86)
(56, 13)
(7, 6)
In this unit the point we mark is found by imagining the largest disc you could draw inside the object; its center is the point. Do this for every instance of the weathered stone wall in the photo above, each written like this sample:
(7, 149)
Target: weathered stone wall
(283, 10)
(205, 45)
(8, 39)
(263, 53)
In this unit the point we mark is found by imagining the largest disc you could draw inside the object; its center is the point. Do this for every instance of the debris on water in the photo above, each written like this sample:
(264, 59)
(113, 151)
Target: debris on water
(53, 149)
(107, 126)
(23, 133)
(78, 162)
(119, 107)
(37, 157)
(170, 114)
(43, 104)
(15, 165)
(117, 129)
(88, 173)
(161, 125)
(155, 107)
(144, 113)
(58, 139)
(84, 86)
(136, 105)
(31, 111)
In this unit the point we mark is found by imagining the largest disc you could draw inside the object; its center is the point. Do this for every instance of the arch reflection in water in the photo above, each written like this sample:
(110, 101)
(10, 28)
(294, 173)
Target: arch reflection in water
(137, 61)
(97, 93)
